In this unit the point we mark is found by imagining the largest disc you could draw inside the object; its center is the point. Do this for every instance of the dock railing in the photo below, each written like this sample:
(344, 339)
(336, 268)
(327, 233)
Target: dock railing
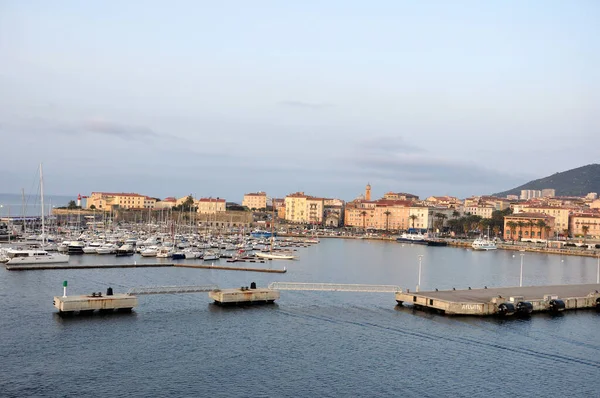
(335, 287)
(135, 291)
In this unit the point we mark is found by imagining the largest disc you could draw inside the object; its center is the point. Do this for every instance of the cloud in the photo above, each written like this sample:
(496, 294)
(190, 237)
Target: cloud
(303, 104)
(37, 125)
(125, 131)
(422, 168)
(388, 145)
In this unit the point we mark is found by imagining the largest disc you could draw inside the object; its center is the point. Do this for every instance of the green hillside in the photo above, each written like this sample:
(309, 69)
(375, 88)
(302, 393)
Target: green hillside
(575, 182)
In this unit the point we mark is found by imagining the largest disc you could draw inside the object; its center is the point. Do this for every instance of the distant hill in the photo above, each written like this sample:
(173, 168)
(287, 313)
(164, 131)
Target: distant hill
(575, 182)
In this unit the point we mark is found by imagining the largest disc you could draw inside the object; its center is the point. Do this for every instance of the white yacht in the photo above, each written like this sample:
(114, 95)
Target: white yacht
(164, 252)
(483, 244)
(150, 251)
(16, 257)
(276, 255)
(108, 248)
(210, 255)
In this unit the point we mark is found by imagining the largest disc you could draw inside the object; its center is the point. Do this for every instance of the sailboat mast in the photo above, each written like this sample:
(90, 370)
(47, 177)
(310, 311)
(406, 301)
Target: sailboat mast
(42, 202)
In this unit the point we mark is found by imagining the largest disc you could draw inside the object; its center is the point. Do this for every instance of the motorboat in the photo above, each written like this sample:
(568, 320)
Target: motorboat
(164, 252)
(109, 248)
(483, 243)
(417, 238)
(125, 250)
(275, 255)
(75, 247)
(16, 257)
(211, 255)
(151, 251)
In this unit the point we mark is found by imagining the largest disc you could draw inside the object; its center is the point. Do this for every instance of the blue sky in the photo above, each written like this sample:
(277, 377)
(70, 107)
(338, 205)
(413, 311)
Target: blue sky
(222, 98)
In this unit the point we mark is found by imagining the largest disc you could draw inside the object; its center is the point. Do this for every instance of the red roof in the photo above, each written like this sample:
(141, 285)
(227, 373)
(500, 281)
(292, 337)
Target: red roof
(118, 194)
(169, 199)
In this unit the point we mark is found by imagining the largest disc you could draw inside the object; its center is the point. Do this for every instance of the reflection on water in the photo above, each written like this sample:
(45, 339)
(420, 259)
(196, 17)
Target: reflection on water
(308, 343)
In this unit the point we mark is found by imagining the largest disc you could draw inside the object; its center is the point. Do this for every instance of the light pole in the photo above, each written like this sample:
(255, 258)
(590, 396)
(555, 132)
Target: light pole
(521, 278)
(419, 283)
(598, 270)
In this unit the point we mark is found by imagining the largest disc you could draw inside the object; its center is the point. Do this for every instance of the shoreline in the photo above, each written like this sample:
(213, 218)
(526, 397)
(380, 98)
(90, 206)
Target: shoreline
(467, 245)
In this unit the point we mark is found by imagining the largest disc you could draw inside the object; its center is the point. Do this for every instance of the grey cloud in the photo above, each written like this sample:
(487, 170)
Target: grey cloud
(303, 104)
(118, 130)
(431, 169)
(389, 144)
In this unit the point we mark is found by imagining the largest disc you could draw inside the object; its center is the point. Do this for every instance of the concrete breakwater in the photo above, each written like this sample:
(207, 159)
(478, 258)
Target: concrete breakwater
(35, 267)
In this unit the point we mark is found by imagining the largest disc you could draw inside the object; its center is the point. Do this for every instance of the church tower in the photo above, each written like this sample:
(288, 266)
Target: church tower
(368, 192)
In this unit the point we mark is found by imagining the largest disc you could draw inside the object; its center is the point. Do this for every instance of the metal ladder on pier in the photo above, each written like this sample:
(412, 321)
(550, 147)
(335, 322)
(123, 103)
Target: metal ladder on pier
(135, 291)
(335, 287)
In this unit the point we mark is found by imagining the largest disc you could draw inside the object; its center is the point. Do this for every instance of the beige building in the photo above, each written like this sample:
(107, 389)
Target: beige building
(392, 215)
(400, 196)
(481, 211)
(423, 217)
(166, 203)
(527, 225)
(560, 214)
(590, 221)
(446, 201)
(255, 201)
(211, 205)
(301, 208)
(110, 200)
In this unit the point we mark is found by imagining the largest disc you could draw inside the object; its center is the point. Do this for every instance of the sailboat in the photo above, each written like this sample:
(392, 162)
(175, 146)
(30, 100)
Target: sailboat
(19, 257)
(271, 255)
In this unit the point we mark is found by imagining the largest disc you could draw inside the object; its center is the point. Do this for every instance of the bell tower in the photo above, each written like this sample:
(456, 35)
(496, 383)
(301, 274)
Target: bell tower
(368, 192)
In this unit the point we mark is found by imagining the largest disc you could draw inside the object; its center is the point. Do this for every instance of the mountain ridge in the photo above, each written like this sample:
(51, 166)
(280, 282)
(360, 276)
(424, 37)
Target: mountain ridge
(575, 182)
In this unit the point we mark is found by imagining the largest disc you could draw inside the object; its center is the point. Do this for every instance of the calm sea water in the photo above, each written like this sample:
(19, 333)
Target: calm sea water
(309, 343)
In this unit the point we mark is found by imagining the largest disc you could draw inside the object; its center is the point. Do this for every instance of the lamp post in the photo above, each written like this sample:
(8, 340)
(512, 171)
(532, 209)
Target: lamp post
(598, 270)
(521, 277)
(419, 282)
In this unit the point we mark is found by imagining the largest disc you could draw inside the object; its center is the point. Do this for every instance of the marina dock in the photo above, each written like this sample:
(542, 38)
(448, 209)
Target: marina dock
(84, 304)
(506, 300)
(221, 267)
(244, 295)
(39, 267)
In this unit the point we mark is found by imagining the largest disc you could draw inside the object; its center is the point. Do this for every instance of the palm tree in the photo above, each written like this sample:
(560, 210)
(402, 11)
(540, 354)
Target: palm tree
(547, 228)
(413, 217)
(531, 224)
(541, 224)
(513, 229)
(455, 214)
(520, 224)
(585, 229)
(387, 219)
(364, 215)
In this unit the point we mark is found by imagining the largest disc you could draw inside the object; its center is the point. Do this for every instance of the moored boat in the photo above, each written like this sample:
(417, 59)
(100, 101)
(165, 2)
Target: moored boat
(483, 244)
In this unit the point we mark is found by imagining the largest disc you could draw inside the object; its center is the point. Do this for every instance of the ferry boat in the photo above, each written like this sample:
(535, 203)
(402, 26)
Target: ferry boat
(16, 257)
(483, 244)
(417, 238)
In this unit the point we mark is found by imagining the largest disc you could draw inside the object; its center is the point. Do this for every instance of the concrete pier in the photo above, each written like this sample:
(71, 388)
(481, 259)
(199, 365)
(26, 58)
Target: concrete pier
(244, 296)
(506, 300)
(39, 267)
(221, 267)
(90, 303)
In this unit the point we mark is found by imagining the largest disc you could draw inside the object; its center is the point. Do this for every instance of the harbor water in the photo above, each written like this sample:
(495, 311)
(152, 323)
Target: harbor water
(318, 344)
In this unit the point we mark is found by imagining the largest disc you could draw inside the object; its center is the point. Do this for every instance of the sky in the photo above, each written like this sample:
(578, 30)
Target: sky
(220, 98)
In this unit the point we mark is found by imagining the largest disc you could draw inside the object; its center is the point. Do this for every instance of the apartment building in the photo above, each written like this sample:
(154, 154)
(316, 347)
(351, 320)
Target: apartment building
(529, 225)
(166, 203)
(560, 214)
(400, 196)
(256, 201)
(585, 225)
(301, 208)
(111, 200)
(211, 205)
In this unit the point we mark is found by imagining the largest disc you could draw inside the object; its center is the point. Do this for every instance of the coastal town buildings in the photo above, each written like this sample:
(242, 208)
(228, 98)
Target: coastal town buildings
(211, 205)
(301, 208)
(585, 224)
(110, 200)
(255, 201)
(560, 214)
(528, 225)
(400, 196)
(166, 203)
(446, 201)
